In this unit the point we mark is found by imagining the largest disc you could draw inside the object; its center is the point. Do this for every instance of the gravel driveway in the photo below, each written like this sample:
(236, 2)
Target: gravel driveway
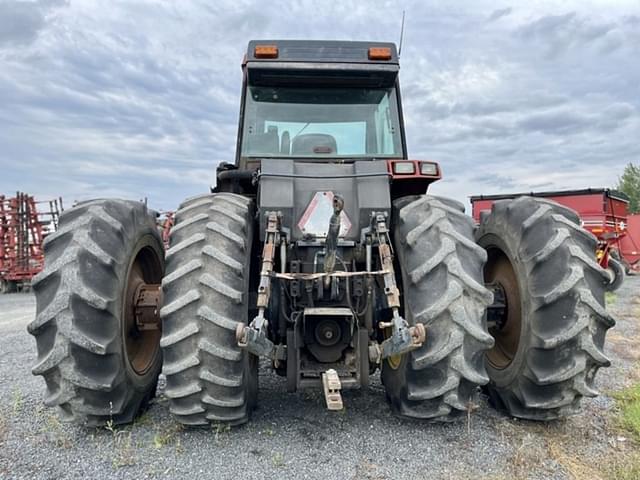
(293, 436)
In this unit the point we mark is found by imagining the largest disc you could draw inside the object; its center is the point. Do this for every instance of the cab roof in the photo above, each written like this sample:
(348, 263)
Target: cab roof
(322, 51)
(295, 62)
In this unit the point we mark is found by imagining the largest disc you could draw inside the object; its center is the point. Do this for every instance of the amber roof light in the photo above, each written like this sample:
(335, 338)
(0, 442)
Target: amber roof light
(379, 53)
(266, 51)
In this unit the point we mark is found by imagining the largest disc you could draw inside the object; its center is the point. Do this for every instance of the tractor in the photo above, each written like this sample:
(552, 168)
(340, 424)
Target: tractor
(320, 253)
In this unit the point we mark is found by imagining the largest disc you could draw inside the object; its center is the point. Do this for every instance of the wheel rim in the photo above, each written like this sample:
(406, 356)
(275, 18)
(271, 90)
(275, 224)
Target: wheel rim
(506, 332)
(142, 340)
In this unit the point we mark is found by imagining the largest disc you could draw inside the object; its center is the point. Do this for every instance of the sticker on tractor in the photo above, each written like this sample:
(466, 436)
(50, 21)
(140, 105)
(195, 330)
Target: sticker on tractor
(315, 220)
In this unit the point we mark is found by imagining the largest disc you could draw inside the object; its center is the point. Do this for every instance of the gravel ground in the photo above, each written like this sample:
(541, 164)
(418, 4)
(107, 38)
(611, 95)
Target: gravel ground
(293, 436)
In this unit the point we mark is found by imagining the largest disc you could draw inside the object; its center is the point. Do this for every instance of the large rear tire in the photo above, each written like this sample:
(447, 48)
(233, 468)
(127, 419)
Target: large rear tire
(97, 365)
(442, 288)
(209, 378)
(549, 342)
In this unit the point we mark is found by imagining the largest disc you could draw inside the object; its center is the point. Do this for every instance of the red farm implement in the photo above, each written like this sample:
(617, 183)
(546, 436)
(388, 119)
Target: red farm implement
(630, 244)
(24, 223)
(603, 213)
(165, 223)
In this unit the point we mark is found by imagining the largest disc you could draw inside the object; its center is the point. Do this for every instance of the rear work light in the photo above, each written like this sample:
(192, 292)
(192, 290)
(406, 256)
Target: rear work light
(379, 53)
(428, 168)
(266, 51)
(404, 168)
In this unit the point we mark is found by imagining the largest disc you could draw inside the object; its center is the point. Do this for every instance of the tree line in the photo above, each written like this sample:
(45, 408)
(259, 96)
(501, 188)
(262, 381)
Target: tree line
(629, 184)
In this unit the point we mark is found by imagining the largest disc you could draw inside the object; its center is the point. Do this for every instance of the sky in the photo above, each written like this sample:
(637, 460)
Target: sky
(138, 99)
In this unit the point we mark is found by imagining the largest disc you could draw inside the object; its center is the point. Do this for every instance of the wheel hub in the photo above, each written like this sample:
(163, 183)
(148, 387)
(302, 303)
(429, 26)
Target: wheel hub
(148, 299)
(504, 315)
(497, 311)
(141, 323)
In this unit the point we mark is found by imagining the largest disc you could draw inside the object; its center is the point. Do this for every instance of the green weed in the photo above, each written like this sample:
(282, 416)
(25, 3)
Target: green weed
(629, 404)
(167, 436)
(626, 468)
(278, 459)
(18, 401)
(122, 445)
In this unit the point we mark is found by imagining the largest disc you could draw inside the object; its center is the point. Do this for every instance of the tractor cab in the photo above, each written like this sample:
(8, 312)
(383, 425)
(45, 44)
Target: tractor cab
(321, 101)
(325, 102)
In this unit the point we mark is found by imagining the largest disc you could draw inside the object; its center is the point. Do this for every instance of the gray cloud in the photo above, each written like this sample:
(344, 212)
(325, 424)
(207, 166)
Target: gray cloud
(560, 33)
(141, 99)
(497, 14)
(21, 21)
(560, 122)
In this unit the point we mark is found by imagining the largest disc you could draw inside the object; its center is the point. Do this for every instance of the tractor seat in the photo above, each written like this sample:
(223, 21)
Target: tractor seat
(266, 143)
(313, 144)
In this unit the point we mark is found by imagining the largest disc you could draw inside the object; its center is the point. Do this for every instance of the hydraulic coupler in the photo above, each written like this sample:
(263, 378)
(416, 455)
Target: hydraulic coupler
(403, 338)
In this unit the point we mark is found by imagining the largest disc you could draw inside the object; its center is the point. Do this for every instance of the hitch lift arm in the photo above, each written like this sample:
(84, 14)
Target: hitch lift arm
(254, 337)
(404, 338)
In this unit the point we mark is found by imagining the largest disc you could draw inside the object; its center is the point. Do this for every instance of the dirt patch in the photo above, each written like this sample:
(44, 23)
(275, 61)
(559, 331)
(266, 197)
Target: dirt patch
(582, 451)
(625, 347)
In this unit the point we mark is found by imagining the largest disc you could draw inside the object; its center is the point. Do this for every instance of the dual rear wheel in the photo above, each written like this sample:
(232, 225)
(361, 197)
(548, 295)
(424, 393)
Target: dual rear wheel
(548, 320)
(100, 363)
(549, 338)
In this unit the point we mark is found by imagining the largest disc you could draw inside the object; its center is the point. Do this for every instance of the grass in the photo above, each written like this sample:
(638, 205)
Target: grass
(167, 435)
(143, 420)
(278, 459)
(629, 404)
(220, 429)
(578, 467)
(122, 445)
(53, 429)
(18, 401)
(610, 298)
(627, 468)
(124, 454)
(626, 465)
(4, 429)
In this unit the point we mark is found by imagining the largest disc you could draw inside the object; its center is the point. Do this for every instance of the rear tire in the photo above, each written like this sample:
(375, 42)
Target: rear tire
(209, 378)
(442, 288)
(616, 275)
(85, 345)
(549, 345)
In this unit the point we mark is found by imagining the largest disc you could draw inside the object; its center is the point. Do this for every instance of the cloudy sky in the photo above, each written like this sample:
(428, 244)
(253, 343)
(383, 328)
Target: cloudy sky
(140, 98)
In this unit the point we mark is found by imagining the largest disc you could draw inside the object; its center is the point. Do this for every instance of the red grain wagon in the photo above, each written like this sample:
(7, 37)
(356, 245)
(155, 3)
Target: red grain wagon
(630, 244)
(603, 212)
